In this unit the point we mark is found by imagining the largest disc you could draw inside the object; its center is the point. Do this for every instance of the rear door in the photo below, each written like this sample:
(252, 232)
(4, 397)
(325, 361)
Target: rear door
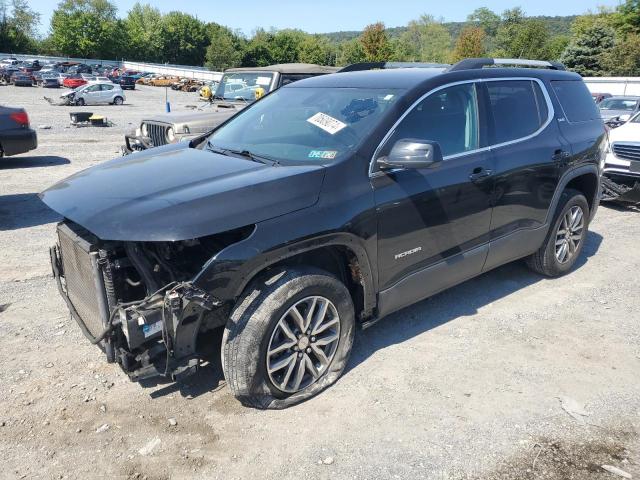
(527, 148)
(106, 92)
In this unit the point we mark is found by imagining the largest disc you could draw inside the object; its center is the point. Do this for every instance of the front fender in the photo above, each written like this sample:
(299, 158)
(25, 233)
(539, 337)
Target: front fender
(227, 274)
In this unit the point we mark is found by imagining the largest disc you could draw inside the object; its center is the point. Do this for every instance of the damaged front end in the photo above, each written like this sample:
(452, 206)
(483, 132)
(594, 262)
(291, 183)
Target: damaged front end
(136, 300)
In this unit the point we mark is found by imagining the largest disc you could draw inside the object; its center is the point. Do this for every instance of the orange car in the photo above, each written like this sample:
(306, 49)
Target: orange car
(163, 81)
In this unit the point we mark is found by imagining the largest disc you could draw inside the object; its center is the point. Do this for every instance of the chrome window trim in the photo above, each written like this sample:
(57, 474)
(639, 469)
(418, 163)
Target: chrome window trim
(543, 88)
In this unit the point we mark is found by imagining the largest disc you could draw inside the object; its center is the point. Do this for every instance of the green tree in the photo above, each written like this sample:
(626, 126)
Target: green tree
(285, 46)
(184, 39)
(486, 19)
(585, 52)
(258, 51)
(349, 52)
(425, 40)
(470, 44)
(225, 49)
(375, 43)
(624, 59)
(628, 16)
(87, 28)
(556, 46)
(317, 49)
(18, 27)
(522, 37)
(143, 26)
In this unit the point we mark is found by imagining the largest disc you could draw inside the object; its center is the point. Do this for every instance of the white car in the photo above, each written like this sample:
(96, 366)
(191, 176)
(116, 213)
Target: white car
(96, 93)
(621, 172)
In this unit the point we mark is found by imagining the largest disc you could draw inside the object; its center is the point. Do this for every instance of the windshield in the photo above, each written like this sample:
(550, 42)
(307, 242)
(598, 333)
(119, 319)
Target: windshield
(619, 104)
(306, 124)
(246, 86)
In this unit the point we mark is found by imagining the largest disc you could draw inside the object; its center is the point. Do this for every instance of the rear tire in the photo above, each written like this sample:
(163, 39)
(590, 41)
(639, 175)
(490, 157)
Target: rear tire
(118, 101)
(563, 244)
(262, 356)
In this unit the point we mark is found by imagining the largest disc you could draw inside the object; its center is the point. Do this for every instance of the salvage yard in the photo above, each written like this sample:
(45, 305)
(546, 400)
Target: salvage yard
(507, 376)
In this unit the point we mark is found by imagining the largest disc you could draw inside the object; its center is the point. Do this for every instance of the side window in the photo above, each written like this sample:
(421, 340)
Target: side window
(92, 89)
(518, 108)
(573, 96)
(448, 116)
(107, 87)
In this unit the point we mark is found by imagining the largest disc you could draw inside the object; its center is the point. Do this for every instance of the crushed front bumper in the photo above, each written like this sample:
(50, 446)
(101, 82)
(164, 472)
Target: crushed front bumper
(148, 338)
(621, 180)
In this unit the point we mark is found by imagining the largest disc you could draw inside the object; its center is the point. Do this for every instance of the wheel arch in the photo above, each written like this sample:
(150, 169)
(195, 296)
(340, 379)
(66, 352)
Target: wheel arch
(340, 255)
(585, 179)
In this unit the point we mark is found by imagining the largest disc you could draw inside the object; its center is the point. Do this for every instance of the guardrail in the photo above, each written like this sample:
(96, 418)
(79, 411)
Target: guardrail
(614, 85)
(196, 73)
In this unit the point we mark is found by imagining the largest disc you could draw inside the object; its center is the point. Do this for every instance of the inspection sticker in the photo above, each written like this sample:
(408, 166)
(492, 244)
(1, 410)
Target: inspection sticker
(326, 123)
(149, 330)
(324, 154)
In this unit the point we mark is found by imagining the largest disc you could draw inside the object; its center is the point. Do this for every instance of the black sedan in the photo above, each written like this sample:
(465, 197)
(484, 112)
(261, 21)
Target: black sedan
(15, 135)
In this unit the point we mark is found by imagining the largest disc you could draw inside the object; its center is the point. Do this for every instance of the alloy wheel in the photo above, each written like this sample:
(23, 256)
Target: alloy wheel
(569, 234)
(303, 344)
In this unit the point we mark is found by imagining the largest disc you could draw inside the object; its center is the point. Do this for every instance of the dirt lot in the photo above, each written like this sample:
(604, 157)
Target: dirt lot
(467, 385)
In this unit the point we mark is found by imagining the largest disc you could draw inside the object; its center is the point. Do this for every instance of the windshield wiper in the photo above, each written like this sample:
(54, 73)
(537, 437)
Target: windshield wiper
(242, 153)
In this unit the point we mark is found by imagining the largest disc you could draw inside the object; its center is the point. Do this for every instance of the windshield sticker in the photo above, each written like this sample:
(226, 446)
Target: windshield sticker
(323, 154)
(326, 123)
(264, 81)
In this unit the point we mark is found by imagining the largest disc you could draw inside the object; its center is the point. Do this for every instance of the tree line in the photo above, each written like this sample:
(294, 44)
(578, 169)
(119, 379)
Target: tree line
(606, 42)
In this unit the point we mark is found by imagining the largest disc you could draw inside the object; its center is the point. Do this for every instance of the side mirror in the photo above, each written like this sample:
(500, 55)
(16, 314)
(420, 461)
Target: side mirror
(413, 154)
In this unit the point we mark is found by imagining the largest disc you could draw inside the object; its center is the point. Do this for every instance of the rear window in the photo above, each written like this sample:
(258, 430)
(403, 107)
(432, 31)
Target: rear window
(519, 109)
(576, 101)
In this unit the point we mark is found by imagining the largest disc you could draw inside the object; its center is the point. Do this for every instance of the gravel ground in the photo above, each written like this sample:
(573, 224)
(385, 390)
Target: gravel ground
(469, 384)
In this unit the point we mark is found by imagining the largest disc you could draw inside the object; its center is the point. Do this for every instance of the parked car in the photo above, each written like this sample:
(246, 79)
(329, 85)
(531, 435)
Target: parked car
(621, 175)
(325, 206)
(50, 81)
(15, 135)
(79, 68)
(236, 90)
(74, 81)
(622, 107)
(598, 97)
(127, 82)
(20, 79)
(96, 93)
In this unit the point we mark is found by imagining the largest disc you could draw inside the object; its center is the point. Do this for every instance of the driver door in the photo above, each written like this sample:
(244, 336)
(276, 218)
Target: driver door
(433, 223)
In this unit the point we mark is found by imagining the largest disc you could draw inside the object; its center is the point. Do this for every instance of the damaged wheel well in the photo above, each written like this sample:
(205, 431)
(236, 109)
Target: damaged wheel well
(339, 261)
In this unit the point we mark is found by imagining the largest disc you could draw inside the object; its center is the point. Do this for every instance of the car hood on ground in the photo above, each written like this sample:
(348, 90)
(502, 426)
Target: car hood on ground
(177, 193)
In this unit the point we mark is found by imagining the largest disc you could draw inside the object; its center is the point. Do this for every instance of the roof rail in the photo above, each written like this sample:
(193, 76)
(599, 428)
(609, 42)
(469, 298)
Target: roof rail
(477, 63)
(357, 67)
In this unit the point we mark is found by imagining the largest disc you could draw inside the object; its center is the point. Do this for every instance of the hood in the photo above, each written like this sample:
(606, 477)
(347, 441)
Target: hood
(177, 193)
(629, 132)
(197, 122)
(607, 114)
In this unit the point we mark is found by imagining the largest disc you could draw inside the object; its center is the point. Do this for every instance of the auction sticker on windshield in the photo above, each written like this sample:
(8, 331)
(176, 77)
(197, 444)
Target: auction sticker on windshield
(324, 154)
(326, 123)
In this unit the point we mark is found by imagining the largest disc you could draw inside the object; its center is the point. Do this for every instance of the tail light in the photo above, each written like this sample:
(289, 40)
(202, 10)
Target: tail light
(21, 118)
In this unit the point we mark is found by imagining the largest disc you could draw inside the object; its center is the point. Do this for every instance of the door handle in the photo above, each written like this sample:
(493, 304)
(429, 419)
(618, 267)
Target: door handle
(480, 173)
(560, 156)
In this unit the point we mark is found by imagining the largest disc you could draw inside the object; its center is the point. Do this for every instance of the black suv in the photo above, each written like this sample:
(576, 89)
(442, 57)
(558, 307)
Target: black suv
(325, 206)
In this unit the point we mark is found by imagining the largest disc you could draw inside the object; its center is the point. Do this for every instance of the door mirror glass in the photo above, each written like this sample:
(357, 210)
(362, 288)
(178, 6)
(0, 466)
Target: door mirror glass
(412, 153)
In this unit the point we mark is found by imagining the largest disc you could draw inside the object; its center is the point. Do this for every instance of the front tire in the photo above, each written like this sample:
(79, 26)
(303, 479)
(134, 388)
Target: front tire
(288, 338)
(80, 102)
(566, 237)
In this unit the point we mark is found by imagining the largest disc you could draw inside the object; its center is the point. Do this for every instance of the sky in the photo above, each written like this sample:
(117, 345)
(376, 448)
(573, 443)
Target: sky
(323, 16)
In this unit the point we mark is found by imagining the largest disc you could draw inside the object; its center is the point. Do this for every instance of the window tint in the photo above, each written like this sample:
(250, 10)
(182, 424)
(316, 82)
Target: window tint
(576, 100)
(518, 108)
(448, 116)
